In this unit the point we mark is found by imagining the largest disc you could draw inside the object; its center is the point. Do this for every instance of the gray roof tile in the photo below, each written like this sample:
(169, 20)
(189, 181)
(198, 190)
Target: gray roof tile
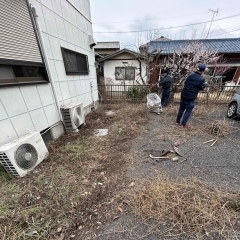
(226, 45)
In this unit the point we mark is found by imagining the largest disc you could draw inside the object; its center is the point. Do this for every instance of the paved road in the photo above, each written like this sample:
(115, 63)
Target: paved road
(218, 165)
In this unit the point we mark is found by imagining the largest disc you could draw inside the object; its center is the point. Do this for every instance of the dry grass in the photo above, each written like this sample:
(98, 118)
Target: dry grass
(76, 188)
(191, 207)
(219, 128)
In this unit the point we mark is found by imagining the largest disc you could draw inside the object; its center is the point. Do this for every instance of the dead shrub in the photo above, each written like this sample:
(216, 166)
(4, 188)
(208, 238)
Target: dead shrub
(192, 207)
(219, 128)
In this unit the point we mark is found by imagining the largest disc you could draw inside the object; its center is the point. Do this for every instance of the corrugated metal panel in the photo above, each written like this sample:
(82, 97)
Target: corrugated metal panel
(106, 45)
(227, 45)
(17, 37)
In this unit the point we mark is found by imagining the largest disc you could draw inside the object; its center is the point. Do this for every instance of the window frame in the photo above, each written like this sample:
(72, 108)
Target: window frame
(80, 72)
(16, 81)
(124, 78)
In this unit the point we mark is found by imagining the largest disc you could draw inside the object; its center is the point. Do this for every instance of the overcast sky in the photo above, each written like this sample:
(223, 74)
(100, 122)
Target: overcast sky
(135, 16)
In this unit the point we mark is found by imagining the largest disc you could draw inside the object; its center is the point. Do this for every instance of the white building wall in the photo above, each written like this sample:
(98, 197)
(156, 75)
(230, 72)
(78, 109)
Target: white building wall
(109, 70)
(32, 107)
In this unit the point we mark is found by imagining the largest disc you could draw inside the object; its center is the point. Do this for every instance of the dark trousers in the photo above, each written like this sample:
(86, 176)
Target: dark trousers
(185, 110)
(165, 96)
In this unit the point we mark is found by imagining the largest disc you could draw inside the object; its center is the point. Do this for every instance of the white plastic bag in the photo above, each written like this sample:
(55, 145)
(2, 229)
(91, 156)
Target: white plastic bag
(154, 103)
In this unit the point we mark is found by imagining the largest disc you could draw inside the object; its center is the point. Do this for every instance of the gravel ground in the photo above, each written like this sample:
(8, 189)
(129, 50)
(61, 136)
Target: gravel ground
(218, 165)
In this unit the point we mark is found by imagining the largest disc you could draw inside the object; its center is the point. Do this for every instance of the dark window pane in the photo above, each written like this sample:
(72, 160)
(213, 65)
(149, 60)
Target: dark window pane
(28, 71)
(18, 71)
(82, 63)
(75, 63)
(71, 62)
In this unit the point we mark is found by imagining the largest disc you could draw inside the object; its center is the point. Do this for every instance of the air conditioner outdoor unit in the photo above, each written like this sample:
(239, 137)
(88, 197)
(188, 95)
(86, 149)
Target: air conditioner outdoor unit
(73, 116)
(22, 155)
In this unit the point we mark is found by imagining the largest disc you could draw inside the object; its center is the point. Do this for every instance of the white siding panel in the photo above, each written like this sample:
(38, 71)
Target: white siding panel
(3, 114)
(80, 99)
(72, 89)
(60, 70)
(74, 100)
(88, 11)
(78, 4)
(67, 101)
(55, 46)
(50, 21)
(69, 32)
(82, 86)
(7, 132)
(13, 101)
(31, 97)
(83, 7)
(75, 35)
(60, 28)
(52, 114)
(39, 119)
(58, 90)
(45, 93)
(47, 45)
(23, 124)
(65, 90)
(79, 21)
(63, 44)
(57, 7)
(48, 3)
(53, 70)
(87, 84)
(78, 87)
(65, 10)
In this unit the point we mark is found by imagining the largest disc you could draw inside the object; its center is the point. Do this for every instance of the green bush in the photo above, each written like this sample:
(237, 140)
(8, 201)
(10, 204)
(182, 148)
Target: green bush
(137, 92)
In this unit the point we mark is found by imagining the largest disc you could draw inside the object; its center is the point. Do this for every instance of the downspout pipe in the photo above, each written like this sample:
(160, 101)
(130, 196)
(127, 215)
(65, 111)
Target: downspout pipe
(43, 48)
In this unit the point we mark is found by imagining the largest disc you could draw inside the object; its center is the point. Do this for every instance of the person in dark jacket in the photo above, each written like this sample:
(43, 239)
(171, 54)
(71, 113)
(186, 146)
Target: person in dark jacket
(193, 84)
(165, 82)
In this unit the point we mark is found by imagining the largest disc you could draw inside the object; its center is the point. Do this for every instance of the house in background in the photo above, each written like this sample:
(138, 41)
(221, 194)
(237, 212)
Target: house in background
(106, 48)
(46, 62)
(124, 67)
(229, 47)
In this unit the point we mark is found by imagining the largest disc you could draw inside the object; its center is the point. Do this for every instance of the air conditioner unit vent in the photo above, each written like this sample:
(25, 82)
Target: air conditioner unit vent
(6, 163)
(23, 154)
(73, 116)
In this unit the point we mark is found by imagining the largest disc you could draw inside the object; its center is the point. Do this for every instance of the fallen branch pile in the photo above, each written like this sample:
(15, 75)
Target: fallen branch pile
(219, 128)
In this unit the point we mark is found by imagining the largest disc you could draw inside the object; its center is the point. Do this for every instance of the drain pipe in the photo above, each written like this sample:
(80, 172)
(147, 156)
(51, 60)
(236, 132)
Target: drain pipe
(43, 48)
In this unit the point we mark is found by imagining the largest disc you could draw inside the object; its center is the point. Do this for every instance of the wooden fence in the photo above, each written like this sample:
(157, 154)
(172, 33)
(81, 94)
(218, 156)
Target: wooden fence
(212, 94)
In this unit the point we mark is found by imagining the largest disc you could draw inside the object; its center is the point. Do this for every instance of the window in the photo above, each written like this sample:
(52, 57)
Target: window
(75, 63)
(17, 74)
(125, 73)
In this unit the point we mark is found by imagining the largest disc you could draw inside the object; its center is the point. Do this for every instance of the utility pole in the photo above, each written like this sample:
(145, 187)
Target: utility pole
(215, 13)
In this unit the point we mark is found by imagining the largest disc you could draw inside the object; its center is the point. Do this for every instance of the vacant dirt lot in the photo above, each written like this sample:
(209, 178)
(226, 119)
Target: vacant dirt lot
(98, 187)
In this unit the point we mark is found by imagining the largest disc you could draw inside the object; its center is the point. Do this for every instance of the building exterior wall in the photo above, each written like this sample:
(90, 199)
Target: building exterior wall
(33, 107)
(124, 60)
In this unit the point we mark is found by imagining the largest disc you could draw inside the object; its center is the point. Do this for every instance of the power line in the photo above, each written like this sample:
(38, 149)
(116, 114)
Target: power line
(187, 25)
(221, 32)
(153, 19)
